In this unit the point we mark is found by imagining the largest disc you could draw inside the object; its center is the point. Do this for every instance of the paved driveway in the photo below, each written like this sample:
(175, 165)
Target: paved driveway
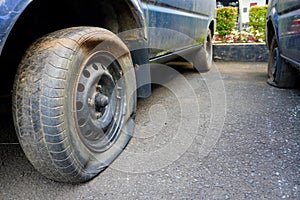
(216, 136)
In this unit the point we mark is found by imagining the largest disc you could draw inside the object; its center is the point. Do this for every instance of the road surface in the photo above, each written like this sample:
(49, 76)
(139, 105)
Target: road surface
(196, 138)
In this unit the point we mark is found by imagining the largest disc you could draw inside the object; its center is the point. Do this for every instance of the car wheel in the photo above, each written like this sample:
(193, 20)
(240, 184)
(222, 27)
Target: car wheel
(74, 102)
(202, 59)
(280, 73)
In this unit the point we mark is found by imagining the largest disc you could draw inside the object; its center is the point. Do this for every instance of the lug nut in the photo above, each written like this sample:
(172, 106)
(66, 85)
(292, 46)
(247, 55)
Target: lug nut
(98, 115)
(91, 102)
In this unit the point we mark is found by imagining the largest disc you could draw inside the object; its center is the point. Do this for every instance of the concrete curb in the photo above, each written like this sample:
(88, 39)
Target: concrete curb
(243, 52)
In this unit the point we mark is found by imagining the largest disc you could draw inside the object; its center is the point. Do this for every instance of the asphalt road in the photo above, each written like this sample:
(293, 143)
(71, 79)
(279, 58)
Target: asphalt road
(212, 136)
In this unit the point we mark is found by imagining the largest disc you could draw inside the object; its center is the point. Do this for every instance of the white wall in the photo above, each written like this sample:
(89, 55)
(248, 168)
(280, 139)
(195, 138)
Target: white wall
(245, 6)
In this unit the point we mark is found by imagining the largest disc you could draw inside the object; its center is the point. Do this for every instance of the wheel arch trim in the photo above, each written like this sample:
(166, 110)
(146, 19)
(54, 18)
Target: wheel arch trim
(10, 11)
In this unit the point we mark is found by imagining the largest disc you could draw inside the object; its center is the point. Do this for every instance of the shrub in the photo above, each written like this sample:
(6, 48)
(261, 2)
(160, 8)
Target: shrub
(226, 20)
(257, 20)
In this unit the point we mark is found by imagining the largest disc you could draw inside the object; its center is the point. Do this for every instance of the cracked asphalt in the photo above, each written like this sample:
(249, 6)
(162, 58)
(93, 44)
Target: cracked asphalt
(255, 156)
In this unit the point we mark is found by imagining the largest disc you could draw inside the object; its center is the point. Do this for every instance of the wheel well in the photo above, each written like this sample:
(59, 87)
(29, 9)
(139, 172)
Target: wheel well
(212, 28)
(43, 17)
(270, 33)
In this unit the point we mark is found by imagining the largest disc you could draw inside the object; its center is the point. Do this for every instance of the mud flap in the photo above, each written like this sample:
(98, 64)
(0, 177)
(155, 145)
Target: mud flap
(140, 60)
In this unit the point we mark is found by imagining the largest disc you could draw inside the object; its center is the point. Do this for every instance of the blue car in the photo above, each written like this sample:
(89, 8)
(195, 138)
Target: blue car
(76, 69)
(283, 41)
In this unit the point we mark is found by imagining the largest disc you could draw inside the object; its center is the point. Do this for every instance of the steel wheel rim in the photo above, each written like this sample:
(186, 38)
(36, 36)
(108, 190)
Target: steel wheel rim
(99, 102)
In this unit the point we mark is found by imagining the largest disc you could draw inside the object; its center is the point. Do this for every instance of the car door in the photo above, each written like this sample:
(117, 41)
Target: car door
(171, 25)
(289, 26)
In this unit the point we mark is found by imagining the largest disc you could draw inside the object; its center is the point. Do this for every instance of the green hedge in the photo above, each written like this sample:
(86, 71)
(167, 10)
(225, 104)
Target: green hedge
(226, 20)
(257, 20)
(257, 17)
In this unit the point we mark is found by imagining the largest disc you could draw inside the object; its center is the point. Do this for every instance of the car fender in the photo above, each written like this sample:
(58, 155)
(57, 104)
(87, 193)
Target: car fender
(10, 11)
(273, 19)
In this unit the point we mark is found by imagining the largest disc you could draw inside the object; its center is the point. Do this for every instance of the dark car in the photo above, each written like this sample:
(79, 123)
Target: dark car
(74, 92)
(283, 41)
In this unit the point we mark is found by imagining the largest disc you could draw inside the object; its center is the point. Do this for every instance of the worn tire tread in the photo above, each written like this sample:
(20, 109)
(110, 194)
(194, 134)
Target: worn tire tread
(42, 153)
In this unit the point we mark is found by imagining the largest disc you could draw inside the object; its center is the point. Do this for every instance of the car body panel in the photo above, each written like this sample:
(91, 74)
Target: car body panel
(285, 6)
(289, 34)
(285, 18)
(181, 17)
(10, 11)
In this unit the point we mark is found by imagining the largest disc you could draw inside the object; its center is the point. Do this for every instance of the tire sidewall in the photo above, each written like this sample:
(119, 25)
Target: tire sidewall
(209, 50)
(284, 75)
(271, 61)
(95, 162)
(202, 58)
